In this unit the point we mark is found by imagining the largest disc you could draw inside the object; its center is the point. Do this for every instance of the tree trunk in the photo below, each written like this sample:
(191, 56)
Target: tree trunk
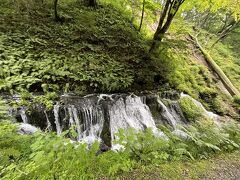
(226, 31)
(143, 11)
(170, 9)
(57, 18)
(92, 3)
(227, 83)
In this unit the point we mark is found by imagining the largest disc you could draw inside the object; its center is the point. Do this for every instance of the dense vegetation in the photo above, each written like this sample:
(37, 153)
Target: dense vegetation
(48, 156)
(82, 46)
(100, 49)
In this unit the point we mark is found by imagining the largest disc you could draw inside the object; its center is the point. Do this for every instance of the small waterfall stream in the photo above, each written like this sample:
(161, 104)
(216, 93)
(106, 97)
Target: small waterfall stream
(56, 115)
(130, 113)
(166, 114)
(100, 117)
(23, 115)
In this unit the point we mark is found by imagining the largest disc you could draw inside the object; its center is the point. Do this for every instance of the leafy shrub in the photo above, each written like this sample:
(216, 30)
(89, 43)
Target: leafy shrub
(3, 110)
(203, 140)
(144, 147)
(206, 139)
(53, 156)
(96, 51)
(13, 147)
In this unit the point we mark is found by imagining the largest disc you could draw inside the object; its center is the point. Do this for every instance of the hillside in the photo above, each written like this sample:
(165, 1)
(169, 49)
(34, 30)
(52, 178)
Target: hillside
(102, 89)
(98, 50)
(92, 50)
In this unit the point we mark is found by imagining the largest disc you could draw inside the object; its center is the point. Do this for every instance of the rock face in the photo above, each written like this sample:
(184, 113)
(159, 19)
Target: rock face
(26, 129)
(100, 116)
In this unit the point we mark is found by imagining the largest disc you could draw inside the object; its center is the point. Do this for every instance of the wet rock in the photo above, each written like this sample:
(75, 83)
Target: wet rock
(27, 129)
(180, 134)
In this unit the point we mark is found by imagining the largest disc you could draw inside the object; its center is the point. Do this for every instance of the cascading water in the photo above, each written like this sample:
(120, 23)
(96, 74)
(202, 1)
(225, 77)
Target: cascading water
(87, 118)
(130, 113)
(23, 115)
(100, 117)
(56, 115)
(166, 114)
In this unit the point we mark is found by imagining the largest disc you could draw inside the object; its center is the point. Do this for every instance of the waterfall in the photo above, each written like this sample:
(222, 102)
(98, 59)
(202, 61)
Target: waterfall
(130, 113)
(23, 115)
(167, 114)
(56, 115)
(49, 126)
(98, 117)
(88, 120)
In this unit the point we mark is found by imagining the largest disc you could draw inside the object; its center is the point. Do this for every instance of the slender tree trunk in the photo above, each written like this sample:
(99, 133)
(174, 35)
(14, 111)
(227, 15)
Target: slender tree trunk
(161, 20)
(170, 9)
(92, 3)
(143, 11)
(57, 18)
(226, 31)
(158, 35)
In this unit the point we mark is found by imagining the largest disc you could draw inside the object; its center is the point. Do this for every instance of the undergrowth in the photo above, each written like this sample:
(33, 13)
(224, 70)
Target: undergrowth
(92, 51)
(48, 156)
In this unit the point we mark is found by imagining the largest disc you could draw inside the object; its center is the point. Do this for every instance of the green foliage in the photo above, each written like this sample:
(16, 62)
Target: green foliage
(48, 156)
(29, 100)
(180, 71)
(53, 156)
(212, 100)
(144, 147)
(190, 110)
(228, 62)
(204, 139)
(95, 51)
(13, 147)
(3, 110)
(237, 102)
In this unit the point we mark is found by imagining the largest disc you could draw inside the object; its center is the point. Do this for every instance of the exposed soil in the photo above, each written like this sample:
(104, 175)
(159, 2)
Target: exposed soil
(224, 167)
(225, 170)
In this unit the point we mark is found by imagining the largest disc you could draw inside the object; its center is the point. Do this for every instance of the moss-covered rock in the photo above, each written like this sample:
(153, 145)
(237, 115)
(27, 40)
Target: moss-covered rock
(190, 110)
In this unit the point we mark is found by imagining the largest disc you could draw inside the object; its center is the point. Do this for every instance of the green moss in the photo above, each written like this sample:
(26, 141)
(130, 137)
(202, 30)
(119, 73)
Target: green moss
(237, 100)
(190, 110)
(3, 110)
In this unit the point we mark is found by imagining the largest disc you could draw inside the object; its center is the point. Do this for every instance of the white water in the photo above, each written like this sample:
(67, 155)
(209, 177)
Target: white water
(56, 115)
(88, 114)
(130, 113)
(88, 121)
(49, 126)
(26, 129)
(23, 115)
(166, 114)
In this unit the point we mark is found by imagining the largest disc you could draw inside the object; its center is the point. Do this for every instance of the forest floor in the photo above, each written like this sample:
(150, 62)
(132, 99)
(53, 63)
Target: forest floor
(223, 167)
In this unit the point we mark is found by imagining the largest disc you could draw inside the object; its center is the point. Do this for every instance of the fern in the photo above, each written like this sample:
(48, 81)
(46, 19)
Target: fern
(3, 110)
